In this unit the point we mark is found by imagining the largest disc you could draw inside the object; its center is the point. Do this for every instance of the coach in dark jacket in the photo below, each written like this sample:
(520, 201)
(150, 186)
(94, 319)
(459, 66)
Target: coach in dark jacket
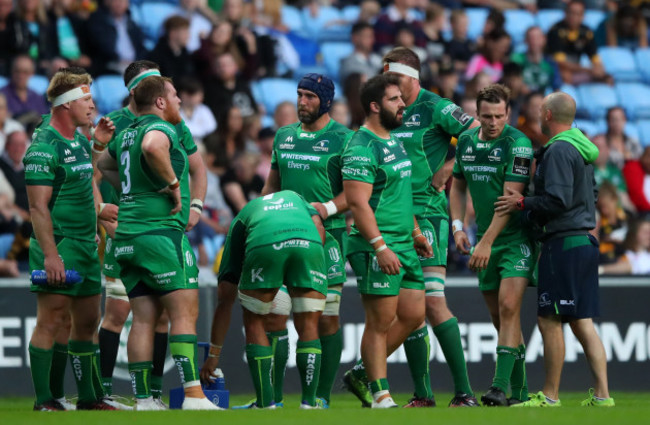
(564, 208)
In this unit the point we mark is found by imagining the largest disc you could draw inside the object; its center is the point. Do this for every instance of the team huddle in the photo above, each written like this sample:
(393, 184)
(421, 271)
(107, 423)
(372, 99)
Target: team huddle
(286, 251)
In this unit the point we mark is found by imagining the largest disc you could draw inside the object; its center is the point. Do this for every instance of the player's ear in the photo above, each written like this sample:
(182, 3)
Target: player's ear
(375, 107)
(161, 102)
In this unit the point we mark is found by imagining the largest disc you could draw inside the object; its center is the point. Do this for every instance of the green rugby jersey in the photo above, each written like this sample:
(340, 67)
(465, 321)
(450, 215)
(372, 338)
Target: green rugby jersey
(486, 166)
(52, 160)
(310, 163)
(142, 208)
(428, 125)
(384, 164)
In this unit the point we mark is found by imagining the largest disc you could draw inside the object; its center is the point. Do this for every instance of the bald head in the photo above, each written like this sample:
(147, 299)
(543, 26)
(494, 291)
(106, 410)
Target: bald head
(561, 106)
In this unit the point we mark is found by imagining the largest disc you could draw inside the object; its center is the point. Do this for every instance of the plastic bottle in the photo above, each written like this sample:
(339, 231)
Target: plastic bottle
(39, 277)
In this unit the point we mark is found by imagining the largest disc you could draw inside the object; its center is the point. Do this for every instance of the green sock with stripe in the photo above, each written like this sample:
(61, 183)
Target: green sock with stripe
(279, 341)
(260, 359)
(41, 363)
(140, 378)
(417, 348)
(448, 335)
(506, 357)
(81, 355)
(308, 361)
(185, 354)
(57, 371)
(518, 379)
(332, 346)
(98, 385)
(379, 387)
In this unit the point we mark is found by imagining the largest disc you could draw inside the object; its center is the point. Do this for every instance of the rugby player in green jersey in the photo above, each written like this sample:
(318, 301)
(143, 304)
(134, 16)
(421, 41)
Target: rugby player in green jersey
(307, 159)
(275, 240)
(490, 161)
(117, 308)
(64, 210)
(147, 162)
(377, 185)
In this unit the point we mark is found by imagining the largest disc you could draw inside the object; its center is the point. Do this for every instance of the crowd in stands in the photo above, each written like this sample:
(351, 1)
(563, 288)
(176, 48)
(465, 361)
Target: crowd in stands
(236, 64)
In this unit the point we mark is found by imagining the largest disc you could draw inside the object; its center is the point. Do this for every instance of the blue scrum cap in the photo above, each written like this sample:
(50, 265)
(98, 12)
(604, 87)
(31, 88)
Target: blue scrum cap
(322, 86)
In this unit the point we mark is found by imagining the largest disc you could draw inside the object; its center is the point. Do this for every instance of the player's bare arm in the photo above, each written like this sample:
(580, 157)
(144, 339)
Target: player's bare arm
(272, 183)
(457, 203)
(39, 199)
(336, 205)
(198, 188)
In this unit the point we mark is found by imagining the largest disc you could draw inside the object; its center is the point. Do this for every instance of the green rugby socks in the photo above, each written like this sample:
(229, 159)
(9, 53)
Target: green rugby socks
(308, 361)
(97, 377)
(417, 348)
(448, 336)
(332, 346)
(260, 359)
(184, 353)
(81, 355)
(506, 357)
(57, 371)
(279, 341)
(140, 375)
(518, 379)
(41, 363)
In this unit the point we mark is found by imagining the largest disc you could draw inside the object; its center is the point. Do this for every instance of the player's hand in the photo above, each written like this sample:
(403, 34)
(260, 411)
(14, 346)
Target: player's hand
(322, 211)
(104, 130)
(55, 270)
(388, 262)
(207, 371)
(175, 197)
(109, 226)
(440, 179)
(462, 242)
(109, 213)
(193, 220)
(481, 256)
(422, 246)
(507, 203)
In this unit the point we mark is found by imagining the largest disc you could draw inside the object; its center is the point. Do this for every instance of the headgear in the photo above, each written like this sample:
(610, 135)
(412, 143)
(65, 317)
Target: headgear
(322, 86)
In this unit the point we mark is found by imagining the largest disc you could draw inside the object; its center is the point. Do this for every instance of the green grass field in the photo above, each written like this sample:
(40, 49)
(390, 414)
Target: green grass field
(630, 408)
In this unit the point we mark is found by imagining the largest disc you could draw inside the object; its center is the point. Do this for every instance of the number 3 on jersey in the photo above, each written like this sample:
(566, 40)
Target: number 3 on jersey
(125, 160)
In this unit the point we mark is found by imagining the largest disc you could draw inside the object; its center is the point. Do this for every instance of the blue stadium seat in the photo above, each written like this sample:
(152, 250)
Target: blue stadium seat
(642, 61)
(3, 81)
(619, 62)
(644, 132)
(351, 13)
(635, 98)
(108, 93)
(546, 18)
(593, 18)
(153, 15)
(596, 99)
(587, 126)
(632, 130)
(573, 92)
(517, 22)
(338, 91)
(317, 26)
(292, 18)
(308, 50)
(273, 91)
(38, 83)
(476, 17)
(333, 52)
(309, 69)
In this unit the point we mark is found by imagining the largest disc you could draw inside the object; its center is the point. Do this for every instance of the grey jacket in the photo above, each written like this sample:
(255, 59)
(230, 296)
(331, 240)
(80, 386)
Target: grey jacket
(565, 192)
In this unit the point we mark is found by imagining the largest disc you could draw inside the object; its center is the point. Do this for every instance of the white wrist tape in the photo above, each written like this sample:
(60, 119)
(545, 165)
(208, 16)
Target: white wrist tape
(456, 226)
(400, 68)
(197, 201)
(102, 205)
(381, 248)
(330, 206)
(377, 239)
(71, 95)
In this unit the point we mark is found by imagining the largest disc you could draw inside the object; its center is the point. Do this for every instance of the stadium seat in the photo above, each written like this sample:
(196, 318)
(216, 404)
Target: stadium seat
(308, 50)
(517, 22)
(546, 18)
(317, 26)
(593, 18)
(153, 15)
(38, 83)
(255, 90)
(644, 132)
(476, 17)
(588, 127)
(3, 81)
(596, 99)
(619, 62)
(632, 130)
(292, 18)
(273, 91)
(635, 98)
(333, 52)
(351, 13)
(338, 91)
(642, 61)
(309, 69)
(573, 92)
(108, 93)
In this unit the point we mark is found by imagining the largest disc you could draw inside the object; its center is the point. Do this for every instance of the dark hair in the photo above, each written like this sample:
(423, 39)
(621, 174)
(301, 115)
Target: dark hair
(375, 88)
(149, 89)
(580, 2)
(360, 26)
(632, 237)
(137, 67)
(532, 94)
(494, 93)
(496, 34)
(512, 69)
(497, 17)
(612, 109)
(403, 55)
(189, 85)
(175, 22)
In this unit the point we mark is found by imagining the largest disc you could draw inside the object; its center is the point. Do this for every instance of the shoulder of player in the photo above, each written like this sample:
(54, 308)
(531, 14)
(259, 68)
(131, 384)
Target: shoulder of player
(160, 125)
(516, 136)
(339, 129)
(468, 134)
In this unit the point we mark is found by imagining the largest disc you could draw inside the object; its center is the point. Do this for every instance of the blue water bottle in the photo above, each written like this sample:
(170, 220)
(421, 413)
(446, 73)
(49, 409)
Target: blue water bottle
(39, 277)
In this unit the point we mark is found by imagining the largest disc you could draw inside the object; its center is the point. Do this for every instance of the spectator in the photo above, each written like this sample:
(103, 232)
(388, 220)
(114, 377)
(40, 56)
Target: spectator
(491, 57)
(230, 138)
(627, 28)
(340, 112)
(606, 172)
(369, 11)
(514, 80)
(7, 125)
(39, 32)
(529, 119)
(197, 13)
(362, 60)
(171, 50)
(434, 23)
(11, 165)
(460, 48)
(621, 146)
(12, 40)
(387, 25)
(448, 80)
(24, 104)
(351, 91)
(116, 40)
(68, 37)
(221, 40)
(198, 117)
(228, 88)
(476, 84)
(241, 183)
(495, 20)
(637, 178)
(540, 73)
(612, 227)
(636, 260)
(468, 105)
(265, 147)
(568, 40)
(285, 114)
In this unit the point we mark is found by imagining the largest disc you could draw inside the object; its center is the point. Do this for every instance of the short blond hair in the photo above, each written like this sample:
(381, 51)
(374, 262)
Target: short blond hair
(64, 80)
